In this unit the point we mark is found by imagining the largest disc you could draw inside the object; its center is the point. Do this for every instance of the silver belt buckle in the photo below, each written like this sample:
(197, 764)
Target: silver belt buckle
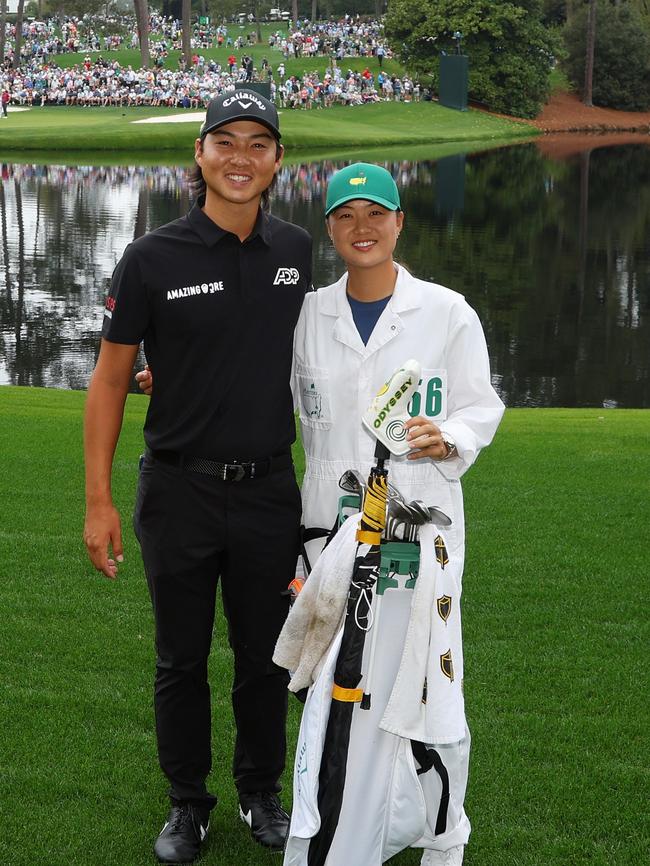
(233, 472)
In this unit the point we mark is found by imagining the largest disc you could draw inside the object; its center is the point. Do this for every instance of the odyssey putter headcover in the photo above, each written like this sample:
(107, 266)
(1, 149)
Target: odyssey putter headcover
(388, 412)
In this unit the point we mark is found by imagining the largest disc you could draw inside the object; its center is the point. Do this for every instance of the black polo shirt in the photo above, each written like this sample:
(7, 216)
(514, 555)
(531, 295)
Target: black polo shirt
(217, 318)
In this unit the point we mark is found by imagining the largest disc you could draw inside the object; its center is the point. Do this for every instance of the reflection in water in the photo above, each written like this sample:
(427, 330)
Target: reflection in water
(553, 253)
(63, 230)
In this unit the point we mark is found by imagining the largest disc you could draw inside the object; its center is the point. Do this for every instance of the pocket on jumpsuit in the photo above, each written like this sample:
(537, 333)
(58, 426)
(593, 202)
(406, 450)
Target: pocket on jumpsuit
(314, 397)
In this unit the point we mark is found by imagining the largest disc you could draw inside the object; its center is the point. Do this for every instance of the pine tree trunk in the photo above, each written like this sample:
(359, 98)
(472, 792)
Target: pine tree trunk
(589, 62)
(19, 32)
(142, 17)
(3, 24)
(187, 33)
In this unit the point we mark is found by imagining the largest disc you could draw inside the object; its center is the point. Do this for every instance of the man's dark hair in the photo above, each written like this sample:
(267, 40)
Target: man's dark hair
(197, 183)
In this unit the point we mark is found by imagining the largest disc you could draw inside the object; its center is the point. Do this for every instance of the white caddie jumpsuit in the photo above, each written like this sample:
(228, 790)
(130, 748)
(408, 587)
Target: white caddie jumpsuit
(335, 379)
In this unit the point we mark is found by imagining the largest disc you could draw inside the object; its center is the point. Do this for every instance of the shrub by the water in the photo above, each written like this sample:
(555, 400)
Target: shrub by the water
(621, 59)
(510, 49)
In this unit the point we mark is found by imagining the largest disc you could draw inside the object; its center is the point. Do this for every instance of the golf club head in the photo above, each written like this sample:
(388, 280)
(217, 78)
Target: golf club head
(421, 509)
(438, 517)
(400, 510)
(349, 482)
(417, 513)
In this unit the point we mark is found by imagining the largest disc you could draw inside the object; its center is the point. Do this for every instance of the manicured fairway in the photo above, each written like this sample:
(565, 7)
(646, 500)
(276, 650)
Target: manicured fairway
(75, 128)
(556, 643)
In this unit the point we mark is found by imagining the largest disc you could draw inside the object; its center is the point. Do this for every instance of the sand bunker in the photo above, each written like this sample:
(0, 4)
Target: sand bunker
(192, 117)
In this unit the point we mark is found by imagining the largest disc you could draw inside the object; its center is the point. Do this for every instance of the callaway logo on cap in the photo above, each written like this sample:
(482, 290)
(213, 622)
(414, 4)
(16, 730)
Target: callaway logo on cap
(241, 104)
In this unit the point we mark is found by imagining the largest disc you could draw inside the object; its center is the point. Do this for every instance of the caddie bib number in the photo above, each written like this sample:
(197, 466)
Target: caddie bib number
(430, 400)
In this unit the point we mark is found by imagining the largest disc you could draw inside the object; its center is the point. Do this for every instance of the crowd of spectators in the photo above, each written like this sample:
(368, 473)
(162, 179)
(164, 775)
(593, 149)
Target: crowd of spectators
(102, 81)
(346, 38)
(343, 88)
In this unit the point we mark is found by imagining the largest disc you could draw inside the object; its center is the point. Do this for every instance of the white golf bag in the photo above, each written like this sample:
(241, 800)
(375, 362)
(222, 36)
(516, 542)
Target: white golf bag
(406, 764)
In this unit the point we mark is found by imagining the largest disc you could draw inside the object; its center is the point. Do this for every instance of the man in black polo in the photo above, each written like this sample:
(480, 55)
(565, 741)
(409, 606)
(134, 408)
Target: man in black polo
(218, 290)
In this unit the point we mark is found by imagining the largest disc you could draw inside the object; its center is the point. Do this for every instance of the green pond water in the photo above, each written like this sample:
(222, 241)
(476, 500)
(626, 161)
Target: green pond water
(552, 251)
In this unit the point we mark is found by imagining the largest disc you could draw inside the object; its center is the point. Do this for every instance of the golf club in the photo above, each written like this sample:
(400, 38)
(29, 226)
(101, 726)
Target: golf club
(421, 510)
(349, 482)
(353, 482)
(438, 517)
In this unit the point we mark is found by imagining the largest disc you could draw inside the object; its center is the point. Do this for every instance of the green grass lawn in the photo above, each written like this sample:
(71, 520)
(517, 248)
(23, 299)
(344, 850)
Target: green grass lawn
(556, 644)
(112, 130)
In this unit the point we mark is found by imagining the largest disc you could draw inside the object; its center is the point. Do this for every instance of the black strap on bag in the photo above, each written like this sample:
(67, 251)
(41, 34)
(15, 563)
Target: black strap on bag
(311, 534)
(428, 758)
(307, 535)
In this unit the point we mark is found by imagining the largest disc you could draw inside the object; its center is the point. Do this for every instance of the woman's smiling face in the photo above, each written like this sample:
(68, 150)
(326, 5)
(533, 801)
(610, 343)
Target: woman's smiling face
(364, 233)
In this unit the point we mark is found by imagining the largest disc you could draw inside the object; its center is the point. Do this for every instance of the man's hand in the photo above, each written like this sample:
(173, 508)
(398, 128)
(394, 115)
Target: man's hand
(102, 531)
(102, 423)
(426, 437)
(145, 380)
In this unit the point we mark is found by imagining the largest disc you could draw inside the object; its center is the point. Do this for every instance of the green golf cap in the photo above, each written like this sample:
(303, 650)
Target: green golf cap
(362, 180)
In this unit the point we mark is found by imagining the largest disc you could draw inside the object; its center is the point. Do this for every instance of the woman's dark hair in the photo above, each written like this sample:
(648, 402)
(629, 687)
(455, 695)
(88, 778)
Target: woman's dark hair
(197, 184)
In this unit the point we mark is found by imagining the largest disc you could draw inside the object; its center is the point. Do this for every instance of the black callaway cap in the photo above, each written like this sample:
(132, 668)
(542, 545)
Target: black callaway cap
(240, 104)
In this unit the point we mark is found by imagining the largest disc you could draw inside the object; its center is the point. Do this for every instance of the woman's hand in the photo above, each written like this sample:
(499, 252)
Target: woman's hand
(145, 380)
(426, 439)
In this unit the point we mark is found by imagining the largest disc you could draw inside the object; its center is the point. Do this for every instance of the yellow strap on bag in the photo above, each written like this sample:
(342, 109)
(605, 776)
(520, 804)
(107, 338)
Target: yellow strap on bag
(350, 696)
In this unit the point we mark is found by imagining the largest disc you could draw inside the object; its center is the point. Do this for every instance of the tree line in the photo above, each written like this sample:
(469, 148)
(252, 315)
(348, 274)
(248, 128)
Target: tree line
(603, 46)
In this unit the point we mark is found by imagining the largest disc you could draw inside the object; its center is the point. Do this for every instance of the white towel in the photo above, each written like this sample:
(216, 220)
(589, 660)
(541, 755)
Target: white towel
(433, 653)
(317, 613)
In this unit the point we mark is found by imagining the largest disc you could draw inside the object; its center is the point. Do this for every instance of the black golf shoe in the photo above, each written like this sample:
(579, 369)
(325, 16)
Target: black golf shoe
(267, 819)
(185, 829)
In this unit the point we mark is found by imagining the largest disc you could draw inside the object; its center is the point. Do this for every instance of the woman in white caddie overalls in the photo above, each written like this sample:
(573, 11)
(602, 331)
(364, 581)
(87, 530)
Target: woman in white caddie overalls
(350, 338)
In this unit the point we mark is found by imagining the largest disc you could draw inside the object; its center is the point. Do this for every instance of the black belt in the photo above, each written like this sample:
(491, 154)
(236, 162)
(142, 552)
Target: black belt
(234, 471)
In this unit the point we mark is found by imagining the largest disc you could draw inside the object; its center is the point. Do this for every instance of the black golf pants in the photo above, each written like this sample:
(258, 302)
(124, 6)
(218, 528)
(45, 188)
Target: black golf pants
(194, 529)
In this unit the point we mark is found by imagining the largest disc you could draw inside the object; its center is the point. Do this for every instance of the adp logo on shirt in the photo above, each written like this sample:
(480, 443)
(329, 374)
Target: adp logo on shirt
(288, 276)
